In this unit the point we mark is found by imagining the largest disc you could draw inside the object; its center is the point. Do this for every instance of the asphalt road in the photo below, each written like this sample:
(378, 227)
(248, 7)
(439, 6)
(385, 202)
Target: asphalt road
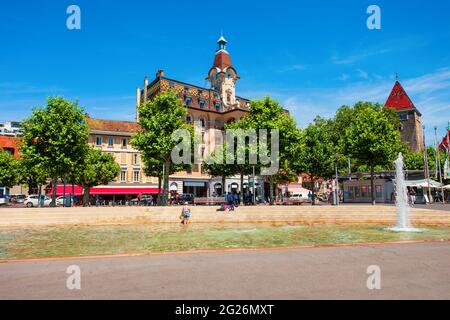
(408, 271)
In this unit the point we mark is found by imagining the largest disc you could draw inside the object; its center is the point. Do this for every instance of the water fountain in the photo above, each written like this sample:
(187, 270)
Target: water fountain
(402, 203)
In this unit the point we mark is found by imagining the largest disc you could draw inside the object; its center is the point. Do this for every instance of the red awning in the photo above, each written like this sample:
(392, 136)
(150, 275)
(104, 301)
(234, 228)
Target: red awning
(107, 190)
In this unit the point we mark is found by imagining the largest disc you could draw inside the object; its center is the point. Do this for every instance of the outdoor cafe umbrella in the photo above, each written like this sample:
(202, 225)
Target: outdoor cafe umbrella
(424, 183)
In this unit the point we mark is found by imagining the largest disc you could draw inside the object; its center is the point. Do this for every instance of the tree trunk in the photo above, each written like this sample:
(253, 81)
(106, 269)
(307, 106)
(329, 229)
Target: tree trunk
(224, 182)
(54, 184)
(241, 200)
(272, 191)
(39, 196)
(158, 200)
(313, 196)
(166, 183)
(86, 197)
(372, 183)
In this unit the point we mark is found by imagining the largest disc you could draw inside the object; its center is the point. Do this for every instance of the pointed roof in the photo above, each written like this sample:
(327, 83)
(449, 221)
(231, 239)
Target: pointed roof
(398, 99)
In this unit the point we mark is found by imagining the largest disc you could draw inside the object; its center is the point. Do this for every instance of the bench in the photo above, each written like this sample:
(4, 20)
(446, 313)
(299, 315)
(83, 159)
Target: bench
(209, 201)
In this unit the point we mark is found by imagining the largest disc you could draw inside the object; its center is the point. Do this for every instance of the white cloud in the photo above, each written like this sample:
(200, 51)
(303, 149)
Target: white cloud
(430, 93)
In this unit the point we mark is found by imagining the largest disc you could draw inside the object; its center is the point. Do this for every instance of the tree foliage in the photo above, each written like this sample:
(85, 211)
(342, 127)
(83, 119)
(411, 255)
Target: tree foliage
(9, 170)
(318, 152)
(372, 137)
(159, 119)
(97, 168)
(55, 138)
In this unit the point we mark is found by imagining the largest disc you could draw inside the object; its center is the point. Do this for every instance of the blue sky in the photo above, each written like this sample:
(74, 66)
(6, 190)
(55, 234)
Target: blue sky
(313, 56)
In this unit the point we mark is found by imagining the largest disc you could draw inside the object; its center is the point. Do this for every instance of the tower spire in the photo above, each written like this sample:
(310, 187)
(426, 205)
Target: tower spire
(222, 42)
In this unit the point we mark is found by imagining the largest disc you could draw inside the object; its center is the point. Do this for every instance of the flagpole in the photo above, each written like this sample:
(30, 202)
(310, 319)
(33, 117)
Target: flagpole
(438, 165)
(426, 168)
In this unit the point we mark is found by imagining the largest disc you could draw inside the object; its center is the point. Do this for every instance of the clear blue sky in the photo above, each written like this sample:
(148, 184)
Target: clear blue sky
(313, 56)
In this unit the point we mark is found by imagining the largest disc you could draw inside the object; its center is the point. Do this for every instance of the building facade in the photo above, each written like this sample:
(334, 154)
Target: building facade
(209, 109)
(411, 128)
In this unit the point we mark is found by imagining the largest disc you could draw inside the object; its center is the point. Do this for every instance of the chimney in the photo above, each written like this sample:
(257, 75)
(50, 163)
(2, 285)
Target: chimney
(145, 88)
(160, 73)
(138, 102)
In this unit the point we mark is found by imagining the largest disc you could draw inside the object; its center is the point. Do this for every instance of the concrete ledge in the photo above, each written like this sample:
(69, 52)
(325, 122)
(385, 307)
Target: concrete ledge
(355, 214)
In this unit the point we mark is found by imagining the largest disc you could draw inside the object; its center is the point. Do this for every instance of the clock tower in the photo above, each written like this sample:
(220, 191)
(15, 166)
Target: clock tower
(223, 77)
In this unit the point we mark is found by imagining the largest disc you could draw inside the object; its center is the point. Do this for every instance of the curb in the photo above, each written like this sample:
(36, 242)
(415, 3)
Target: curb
(231, 250)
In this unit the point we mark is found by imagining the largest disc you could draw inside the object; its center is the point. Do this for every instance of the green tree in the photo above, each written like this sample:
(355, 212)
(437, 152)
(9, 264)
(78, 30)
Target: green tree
(159, 119)
(373, 138)
(55, 137)
(268, 114)
(97, 168)
(317, 152)
(9, 170)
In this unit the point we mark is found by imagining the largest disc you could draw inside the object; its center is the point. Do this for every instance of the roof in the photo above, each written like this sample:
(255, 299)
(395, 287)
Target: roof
(112, 125)
(398, 99)
(222, 60)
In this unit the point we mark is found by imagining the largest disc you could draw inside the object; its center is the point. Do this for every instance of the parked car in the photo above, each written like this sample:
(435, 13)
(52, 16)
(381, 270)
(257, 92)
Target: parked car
(19, 198)
(33, 201)
(146, 200)
(186, 197)
(60, 201)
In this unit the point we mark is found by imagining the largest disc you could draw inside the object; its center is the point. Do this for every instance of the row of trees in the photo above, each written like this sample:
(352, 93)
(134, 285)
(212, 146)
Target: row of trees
(366, 132)
(55, 148)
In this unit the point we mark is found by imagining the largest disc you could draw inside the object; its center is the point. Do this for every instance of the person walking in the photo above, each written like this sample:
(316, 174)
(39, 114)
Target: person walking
(185, 214)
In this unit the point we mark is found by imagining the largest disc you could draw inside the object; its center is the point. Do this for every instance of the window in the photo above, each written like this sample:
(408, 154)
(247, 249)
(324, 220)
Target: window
(171, 84)
(111, 142)
(202, 123)
(188, 101)
(364, 193)
(357, 192)
(350, 193)
(404, 117)
(135, 159)
(124, 143)
(99, 141)
(379, 192)
(217, 106)
(136, 176)
(202, 103)
(9, 151)
(123, 176)
(189, 118)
